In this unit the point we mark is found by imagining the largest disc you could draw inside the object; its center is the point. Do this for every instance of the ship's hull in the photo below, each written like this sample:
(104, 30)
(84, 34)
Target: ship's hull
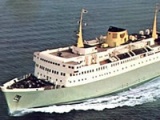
(37, 98)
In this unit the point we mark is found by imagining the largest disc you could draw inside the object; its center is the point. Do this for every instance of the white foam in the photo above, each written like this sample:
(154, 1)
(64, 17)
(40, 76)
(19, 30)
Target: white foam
(147, 92)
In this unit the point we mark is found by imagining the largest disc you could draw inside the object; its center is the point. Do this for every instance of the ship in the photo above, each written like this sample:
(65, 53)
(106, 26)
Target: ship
(88, 69)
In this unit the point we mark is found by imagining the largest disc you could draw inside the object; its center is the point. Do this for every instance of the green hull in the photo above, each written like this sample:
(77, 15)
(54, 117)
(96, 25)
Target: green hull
(35, 98)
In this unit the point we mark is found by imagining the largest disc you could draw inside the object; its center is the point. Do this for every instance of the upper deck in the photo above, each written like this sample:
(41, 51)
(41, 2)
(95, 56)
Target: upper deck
(67, 53)
(64, 54)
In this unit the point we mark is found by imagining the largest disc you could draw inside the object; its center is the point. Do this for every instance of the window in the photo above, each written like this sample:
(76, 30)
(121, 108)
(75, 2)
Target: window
(42, 67)
(37, 65)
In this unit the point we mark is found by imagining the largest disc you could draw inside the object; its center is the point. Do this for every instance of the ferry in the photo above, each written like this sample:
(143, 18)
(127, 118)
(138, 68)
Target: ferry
(88, 69)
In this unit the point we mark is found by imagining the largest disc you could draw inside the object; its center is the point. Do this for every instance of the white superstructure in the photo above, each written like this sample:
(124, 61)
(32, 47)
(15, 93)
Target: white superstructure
(94, 60)
(70, 69)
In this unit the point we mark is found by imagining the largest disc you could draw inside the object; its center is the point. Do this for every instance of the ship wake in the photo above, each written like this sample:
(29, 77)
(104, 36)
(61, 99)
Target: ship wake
(147, 92)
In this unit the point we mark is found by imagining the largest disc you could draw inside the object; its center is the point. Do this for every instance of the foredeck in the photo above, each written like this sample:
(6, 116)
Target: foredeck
(31, 82)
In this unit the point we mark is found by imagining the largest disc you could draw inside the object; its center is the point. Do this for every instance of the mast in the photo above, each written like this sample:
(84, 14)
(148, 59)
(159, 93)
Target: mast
(154, 29)
(80, 36)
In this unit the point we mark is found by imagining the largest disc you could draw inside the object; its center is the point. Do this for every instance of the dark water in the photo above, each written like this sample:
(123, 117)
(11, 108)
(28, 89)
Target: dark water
(27, 26)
